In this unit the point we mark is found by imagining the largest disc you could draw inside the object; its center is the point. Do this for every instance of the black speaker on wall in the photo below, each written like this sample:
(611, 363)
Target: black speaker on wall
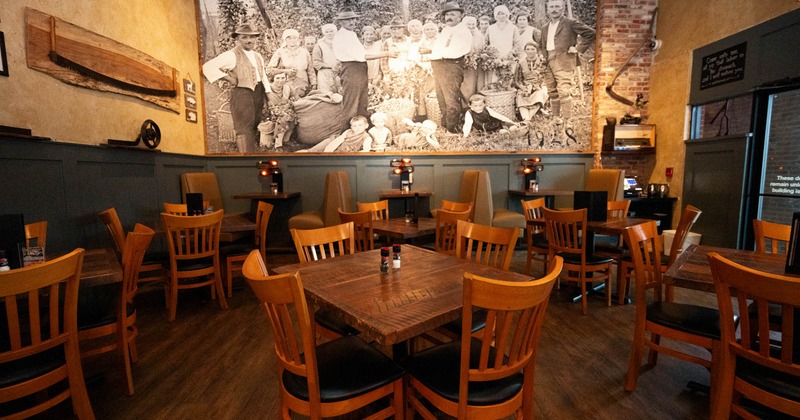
(596, 202)
(793, 247)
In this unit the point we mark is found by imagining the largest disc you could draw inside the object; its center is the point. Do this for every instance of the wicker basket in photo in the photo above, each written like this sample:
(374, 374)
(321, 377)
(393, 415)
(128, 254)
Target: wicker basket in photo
(432, 107)
(396, 109)
(501, 101)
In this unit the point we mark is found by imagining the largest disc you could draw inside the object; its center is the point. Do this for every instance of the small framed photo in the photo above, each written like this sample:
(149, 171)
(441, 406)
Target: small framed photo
(190, 101)
(191, 116)
(189, 87)
(3, 59)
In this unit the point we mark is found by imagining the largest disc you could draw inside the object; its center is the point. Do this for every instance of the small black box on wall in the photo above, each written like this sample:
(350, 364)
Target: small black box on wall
(596, 203)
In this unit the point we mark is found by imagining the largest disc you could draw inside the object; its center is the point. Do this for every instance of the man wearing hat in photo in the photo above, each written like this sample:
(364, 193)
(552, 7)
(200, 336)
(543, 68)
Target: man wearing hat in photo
(353, 73)
(243, 68)
(449, 49)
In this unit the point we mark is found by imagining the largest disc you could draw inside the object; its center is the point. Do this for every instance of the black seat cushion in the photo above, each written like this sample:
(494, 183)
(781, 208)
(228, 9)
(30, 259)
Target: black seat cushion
(326, 319)
(438, 369)
(236, 249)
(539, 240)
(196, 264)
(776, 382)
(97, 306)
(158, 257)
(570, 258)
(30, 367)
(693, 319)
(348, 367)
(478, 322)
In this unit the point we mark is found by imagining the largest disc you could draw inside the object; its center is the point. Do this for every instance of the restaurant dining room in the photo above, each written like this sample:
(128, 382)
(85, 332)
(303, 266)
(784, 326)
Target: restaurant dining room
(561, 209)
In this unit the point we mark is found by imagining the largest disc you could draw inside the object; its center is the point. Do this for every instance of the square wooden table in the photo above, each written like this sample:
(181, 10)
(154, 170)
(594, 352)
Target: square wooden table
(100, 266)
(405, 231)
(395, 307)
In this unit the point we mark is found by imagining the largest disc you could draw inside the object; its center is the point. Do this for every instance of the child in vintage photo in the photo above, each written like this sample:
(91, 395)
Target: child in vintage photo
(351, 140)
(422, 136)
(381, 135)
(483, 119)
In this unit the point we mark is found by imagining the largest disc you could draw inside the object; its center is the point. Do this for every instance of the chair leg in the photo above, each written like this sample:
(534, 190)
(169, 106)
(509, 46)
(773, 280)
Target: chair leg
(652, 355)
(584, 297)
(123, 346)
(623, 281)
(81, 404)
(634, 365)
(223, 304)
(173, 300)
(229, 277)
(398, 402)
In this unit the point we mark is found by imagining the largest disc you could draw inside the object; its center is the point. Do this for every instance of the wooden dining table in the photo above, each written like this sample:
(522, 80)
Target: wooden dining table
(398, 228)
(390, 309)
(691, 270)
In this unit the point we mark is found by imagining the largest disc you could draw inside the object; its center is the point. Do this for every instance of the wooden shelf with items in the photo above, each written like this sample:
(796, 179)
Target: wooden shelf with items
(633, 139)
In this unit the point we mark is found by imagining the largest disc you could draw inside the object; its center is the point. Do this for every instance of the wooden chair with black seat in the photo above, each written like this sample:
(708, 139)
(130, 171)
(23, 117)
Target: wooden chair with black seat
(489, 374)
(332, 379)
(108, 310)
(193, 243)
(320, 244)
(679, 322)
(566, 231)
(625, 274)
(612, 246)
(152, 267)
(447, 229)
(234, 254)
(758, 378)
(535, 235)
(36, 234)
(362, 228)
(379, 209)
(39, 338)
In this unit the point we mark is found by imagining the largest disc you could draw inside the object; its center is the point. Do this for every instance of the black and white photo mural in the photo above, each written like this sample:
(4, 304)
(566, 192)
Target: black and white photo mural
(362, 76)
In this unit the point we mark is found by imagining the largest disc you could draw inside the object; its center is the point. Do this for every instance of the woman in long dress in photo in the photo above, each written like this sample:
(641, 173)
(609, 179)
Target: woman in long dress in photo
(531, 90)
(291, 55)
(502, 35)
(325, 61)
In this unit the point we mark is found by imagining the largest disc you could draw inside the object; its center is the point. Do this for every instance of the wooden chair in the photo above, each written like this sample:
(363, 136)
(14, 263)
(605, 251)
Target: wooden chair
(235, 254)
(446, 229)
(565, 233)
(320, 244)
(362, 228)
(41, 336)
(486, 245)
(770, 236)
(456, 206)
(193, 243)
(99, 316)
(751, 370)
(379, 209)
(689, 216)
(494, 375)
(535, 235)
(36, 233)
(179, 209)
(328, 380)
(689, 324)
(152, 267)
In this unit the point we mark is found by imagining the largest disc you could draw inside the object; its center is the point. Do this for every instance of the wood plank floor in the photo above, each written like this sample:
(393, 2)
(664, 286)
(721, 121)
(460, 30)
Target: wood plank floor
(221, 364)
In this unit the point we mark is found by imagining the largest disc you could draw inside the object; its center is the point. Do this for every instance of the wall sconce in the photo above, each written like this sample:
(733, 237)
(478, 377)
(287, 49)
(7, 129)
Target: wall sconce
(269, 168)
(530, 166)
(403, 168)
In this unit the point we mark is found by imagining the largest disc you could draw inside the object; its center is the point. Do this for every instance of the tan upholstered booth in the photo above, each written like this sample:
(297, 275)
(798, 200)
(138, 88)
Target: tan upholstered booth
(337, 195)
(204, 183)
(476, 188)
(611, 180)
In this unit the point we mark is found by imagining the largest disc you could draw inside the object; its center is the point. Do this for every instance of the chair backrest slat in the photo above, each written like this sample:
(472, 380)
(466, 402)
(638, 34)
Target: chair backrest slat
(645, 247)
(771, 236)
(362, 228)
(323, 243)
(378, 209)
(688, 217)
(487, 245)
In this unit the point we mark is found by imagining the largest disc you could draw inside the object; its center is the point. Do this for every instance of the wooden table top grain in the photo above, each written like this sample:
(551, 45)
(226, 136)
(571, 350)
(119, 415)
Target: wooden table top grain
(691, 269)
(399, 228)
(100, 266)
(391, 308)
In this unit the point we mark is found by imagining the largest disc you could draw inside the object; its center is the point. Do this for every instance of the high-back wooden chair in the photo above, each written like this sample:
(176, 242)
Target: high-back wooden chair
(566, 231)
(193, 243)
(535, 235)
(179, 209)
(761, 369)
(364, 236)
(41, 336)
(494, 375)
(329, 380)
(320, 244)
(688, 218)
(379, 209)
(659, 318)
(456, 206)
(152, 267)
(771, 236)
(485, 245)
(36, 233)
(235, 254)
(446, 229)
(100, 317)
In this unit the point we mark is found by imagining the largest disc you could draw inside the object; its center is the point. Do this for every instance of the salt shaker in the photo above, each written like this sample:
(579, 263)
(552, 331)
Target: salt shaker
(3, 261)
(396, 256)
(384, 259)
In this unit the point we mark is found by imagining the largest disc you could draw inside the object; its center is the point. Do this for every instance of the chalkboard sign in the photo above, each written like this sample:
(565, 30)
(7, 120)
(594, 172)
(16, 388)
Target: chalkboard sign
(723, 67)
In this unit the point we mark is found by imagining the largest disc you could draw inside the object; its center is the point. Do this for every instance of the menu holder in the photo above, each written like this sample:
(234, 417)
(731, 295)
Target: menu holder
(793, 247)
(596, 203)
(194, 204)
(32, 255)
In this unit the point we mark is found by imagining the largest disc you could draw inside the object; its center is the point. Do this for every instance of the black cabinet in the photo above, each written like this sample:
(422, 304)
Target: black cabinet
(653, 208)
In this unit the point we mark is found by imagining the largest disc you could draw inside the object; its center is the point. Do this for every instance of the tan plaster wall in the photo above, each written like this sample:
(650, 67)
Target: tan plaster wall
(685, 25)
(166, 30)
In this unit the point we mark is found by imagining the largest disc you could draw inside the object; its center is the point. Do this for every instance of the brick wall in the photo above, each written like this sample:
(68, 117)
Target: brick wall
(622, 27)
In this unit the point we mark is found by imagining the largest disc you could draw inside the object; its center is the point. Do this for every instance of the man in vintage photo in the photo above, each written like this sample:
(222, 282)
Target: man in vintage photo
(449, 49)
(243, 68)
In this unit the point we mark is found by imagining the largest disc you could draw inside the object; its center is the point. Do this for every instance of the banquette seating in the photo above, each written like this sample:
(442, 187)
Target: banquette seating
(337, 195)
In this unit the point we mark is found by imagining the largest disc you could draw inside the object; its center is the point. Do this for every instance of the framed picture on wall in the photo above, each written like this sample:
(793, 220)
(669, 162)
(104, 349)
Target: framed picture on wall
(3, 59)
(310, 106)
